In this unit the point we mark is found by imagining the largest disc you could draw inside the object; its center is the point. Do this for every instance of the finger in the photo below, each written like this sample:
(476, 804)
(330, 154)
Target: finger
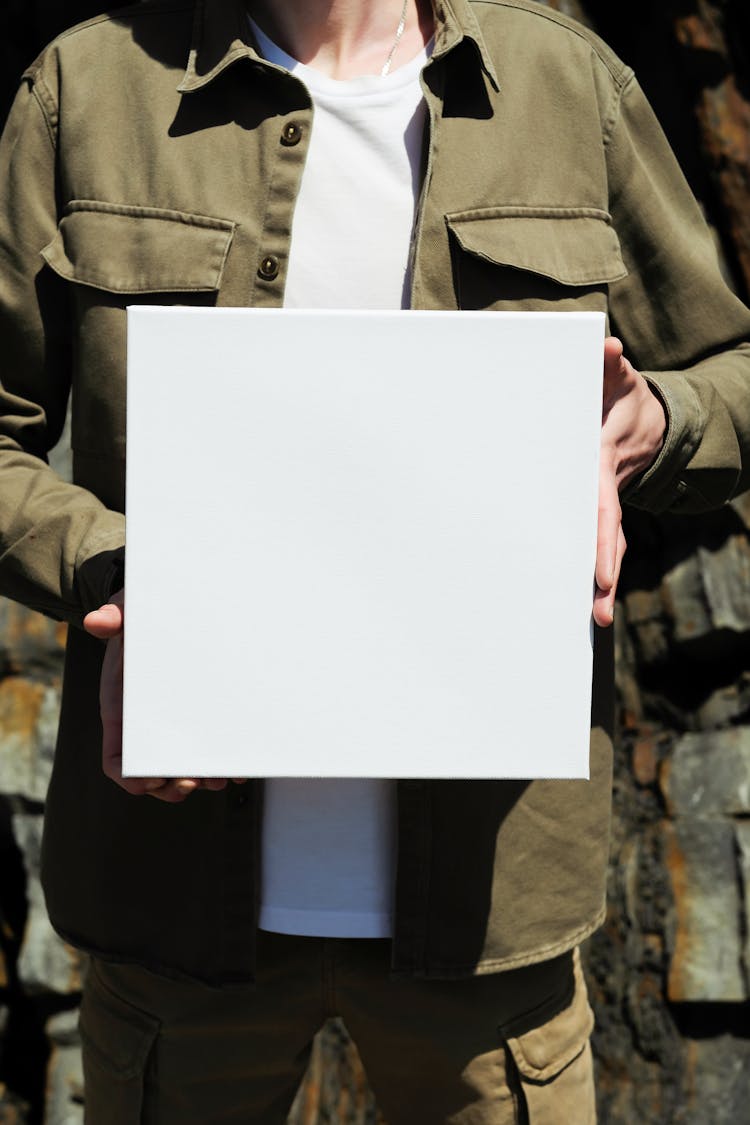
(137, 786)
(602, 611)
(604, 601)
(175, 790)
(215, 784)
(608, 529)
(238, 780)
(105, 622)
(163, 788)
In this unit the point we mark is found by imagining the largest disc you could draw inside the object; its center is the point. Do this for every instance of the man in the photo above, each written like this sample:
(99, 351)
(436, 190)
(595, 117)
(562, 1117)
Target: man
(218, 156)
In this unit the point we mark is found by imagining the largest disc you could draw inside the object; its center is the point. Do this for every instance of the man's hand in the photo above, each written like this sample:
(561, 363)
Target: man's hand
(633, 426)
(107, 624)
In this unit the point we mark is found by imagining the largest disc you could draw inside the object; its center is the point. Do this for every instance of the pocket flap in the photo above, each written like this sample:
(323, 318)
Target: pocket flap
(540, 1054)
(575, 246)
(139, 249)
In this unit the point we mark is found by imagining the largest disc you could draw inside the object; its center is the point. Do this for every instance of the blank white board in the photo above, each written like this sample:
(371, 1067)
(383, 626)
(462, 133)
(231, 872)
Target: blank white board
(360, 543)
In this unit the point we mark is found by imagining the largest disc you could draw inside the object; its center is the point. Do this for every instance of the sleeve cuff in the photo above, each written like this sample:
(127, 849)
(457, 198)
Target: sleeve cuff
(661, 485)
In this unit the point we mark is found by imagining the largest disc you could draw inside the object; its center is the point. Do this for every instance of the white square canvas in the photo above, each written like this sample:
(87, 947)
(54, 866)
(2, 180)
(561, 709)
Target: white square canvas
(360, 544)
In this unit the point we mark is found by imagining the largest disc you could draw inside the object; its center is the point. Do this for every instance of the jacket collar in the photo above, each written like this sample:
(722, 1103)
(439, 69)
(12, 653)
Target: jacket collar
(454, 22)
(221, 35)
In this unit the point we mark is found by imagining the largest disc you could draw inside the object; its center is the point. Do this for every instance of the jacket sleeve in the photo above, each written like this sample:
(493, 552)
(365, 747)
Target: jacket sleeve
(59, 546)
(680, 323)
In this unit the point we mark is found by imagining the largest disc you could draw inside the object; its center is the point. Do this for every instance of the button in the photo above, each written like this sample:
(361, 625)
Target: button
(291, 134)
(269, 267)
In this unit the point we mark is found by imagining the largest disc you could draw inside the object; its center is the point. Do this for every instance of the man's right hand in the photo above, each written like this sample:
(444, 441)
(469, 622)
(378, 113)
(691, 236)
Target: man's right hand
(107, 624)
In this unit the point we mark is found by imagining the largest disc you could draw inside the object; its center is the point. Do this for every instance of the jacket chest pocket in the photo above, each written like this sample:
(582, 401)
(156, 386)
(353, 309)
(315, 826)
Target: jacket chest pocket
(534, 258)
(137, 251)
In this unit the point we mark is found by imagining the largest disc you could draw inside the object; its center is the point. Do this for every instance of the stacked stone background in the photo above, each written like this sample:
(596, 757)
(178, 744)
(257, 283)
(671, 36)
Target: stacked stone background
(669, 972)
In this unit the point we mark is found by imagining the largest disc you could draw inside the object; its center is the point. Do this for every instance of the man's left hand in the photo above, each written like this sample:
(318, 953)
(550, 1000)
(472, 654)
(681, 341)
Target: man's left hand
(633, 427)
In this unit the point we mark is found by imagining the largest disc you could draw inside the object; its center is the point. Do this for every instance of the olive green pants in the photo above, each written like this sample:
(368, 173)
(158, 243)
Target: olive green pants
(504, 1049)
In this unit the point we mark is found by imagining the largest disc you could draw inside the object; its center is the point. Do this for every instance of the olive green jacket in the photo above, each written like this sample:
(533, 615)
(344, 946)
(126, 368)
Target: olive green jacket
(152, 156)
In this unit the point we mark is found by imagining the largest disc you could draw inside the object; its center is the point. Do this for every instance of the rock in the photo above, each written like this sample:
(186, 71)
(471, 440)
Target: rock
(28, 729)
(45, 963)
(707, 943)
(647, 620)
(64, 1100)
(13, 1110)
(729, 704)
(30, 644)
(709, 774)
(711, 33)
(645, 759)
(700, 577)
(335, 1087)
(718, 1080)
(711, 589)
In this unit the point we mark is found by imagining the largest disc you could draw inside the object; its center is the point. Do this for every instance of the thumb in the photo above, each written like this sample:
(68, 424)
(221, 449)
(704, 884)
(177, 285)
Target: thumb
(105, 622)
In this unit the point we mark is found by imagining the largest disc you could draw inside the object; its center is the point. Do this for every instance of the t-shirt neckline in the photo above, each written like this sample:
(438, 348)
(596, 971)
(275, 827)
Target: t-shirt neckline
(362, 85)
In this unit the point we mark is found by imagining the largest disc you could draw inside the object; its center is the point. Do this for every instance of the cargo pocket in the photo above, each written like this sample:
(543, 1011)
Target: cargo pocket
(534, 258)
(554, 1064)
(117, 1041)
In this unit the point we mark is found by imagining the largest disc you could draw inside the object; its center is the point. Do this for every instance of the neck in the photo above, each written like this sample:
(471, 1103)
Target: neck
(345, 38)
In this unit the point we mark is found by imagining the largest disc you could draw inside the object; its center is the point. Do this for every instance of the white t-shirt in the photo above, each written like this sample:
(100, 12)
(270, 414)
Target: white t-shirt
(329, 845)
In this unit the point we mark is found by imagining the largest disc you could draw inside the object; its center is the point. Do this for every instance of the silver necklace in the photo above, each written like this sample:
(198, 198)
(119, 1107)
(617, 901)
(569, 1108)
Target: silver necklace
(396, 41)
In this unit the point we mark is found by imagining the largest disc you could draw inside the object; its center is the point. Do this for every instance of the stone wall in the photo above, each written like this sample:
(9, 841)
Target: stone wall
(669, 971)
